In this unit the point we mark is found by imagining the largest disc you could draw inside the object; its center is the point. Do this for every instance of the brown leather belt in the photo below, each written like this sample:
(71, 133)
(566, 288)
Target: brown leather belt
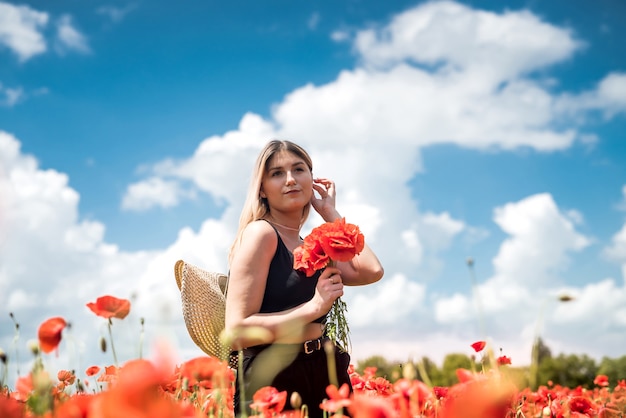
(307, 347)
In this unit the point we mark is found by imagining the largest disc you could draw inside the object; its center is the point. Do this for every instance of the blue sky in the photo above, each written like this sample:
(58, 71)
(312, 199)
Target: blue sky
(453, 129)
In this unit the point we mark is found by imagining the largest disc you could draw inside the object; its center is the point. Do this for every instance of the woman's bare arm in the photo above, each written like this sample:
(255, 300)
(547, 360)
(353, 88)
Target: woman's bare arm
(246, 286)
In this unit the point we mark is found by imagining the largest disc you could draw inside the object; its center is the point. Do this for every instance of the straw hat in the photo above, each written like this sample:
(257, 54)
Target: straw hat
(203, 296)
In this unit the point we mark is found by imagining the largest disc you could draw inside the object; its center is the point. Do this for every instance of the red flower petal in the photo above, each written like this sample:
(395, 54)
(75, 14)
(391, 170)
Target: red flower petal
(269, 401)
(465, 375)
(337, 241)
(110, 307)
(478, 346)
(601, 380)
(50, 333)
(66, 377)
(502, 360)
(93, 370)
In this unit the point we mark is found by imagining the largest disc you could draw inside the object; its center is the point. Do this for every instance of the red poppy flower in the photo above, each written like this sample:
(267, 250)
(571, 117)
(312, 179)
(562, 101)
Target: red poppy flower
(137, 393)
(77, 406)
(582, 405)
(11, 408)
(478, 346)
(93, 370)
(24, 387)
(336, 241)
(502, 360)
(50, 333)
(465, 375)
(341, 241)
(369, 372)
(601, 380)
(337, 398)
(66, 377)
(372, 407)
(408, 391)
(202, 369)
(110, 374)
(487, 397)
(440, 392)
(269, 401)
(309, 257)
(110, 307)
(380, 385)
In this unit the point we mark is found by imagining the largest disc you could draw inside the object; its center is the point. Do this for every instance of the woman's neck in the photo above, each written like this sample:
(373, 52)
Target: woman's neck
(285, 224)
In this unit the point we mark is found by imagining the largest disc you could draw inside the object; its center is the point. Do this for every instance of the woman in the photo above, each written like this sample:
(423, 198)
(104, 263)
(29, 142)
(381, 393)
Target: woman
(265, 292)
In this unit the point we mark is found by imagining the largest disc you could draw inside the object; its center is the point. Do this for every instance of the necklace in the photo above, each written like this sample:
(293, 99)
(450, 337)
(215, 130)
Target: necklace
(285, 226)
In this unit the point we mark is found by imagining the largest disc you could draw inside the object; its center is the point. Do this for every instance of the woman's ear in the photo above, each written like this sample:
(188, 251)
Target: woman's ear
(262, 194)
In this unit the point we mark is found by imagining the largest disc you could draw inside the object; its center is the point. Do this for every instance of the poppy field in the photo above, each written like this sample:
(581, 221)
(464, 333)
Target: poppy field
(204, 387)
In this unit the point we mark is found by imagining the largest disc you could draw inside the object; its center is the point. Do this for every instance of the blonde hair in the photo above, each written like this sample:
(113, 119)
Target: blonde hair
(255, 207)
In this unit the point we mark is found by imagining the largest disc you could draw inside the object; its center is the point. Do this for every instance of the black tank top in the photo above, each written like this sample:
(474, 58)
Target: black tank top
(286, 287)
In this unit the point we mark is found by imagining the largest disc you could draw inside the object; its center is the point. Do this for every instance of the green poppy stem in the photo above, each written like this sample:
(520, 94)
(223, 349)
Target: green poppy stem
(110, 323)
(141, 336)
(16, 338)
(336, 325)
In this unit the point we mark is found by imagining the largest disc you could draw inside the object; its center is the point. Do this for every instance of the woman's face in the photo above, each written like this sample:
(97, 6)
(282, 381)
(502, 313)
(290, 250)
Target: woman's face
(288, 183)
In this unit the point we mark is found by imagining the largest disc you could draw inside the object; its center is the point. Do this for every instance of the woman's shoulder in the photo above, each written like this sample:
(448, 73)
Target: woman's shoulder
(261, 231)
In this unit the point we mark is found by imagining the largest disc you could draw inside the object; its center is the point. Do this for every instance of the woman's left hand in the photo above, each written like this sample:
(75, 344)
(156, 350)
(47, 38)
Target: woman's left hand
(325, 203)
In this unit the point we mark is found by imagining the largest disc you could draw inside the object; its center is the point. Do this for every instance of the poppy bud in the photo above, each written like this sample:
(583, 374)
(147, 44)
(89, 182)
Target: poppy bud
(3, 356)
(41, 381)
(295, 400)
(33, 346)
(103, 344)
(17, 326)
(79, 386)
(408, 371)
(470, 261)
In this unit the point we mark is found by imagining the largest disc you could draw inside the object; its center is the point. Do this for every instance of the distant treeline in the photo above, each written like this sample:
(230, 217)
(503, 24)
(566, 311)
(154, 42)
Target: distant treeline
(567, 370)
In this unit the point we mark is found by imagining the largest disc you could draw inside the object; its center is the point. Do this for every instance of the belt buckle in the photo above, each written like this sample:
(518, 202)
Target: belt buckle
(317, 344)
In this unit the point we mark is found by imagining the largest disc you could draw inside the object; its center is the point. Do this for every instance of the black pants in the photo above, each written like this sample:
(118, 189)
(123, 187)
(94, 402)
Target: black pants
(286, 368)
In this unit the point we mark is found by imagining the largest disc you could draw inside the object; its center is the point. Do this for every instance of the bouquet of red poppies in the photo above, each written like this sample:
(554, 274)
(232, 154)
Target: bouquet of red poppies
(325, 245)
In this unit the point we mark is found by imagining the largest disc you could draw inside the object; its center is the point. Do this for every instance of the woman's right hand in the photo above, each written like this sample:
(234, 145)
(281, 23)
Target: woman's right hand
(329, 288)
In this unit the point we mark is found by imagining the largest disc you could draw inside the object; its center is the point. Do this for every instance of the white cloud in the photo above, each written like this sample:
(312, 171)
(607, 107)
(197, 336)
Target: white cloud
(617, 250)
(438, 230)
(11, 95)
(116, 14)
(454, 308)
(522, 297)
(154, 191)
(20, 30)
(603, 300)
(217, 168)
(69, 38)
(339, 36)
(313, 21)
(455, 36)
(410, 107)
(541, 237)
(385, 303)
(529, 261)
(612, 92)
(608, 97)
